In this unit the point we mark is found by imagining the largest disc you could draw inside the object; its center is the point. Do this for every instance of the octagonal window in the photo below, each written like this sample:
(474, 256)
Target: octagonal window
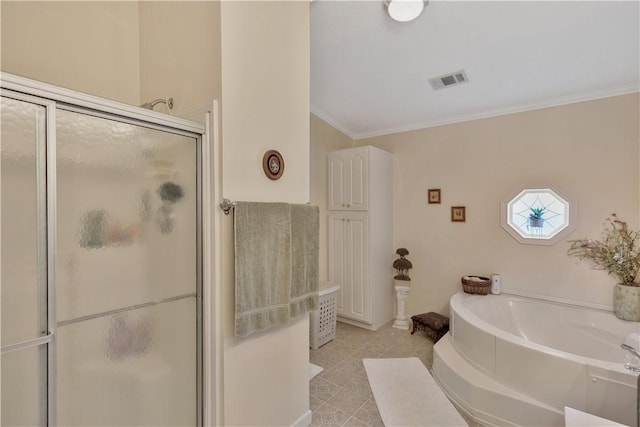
(539, 216)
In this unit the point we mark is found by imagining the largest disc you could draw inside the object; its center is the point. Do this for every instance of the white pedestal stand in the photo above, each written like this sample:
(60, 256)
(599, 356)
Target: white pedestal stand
(402, 293)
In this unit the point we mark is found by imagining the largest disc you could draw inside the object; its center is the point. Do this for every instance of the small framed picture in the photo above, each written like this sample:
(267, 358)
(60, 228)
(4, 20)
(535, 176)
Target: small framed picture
(458, 214)
(273, 164)
(434, 195)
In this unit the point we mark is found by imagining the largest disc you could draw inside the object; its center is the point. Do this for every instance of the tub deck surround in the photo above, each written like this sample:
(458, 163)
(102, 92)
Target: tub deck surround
(508, 355)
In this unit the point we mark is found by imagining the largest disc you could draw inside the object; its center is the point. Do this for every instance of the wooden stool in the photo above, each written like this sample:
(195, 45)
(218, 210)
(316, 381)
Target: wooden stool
(435, 325)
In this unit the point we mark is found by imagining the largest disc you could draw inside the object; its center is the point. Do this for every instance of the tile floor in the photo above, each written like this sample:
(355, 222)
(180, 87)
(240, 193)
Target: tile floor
(340, 395)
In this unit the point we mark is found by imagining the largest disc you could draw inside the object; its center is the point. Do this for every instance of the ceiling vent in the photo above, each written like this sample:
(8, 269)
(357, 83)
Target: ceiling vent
(449, 80)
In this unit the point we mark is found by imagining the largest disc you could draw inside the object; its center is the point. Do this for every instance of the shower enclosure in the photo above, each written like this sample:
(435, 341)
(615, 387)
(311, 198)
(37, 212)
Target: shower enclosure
(101, 320)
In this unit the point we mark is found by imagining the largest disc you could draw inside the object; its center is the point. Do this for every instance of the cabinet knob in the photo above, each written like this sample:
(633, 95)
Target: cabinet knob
(348, 206)
(348, 220)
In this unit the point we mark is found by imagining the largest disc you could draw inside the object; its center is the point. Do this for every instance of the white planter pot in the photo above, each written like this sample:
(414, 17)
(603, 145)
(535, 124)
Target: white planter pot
(626, 302)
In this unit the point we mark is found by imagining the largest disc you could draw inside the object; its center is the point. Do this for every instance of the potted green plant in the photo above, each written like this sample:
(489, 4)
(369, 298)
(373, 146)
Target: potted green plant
(535, 217)
(402, 267)
(618, 253)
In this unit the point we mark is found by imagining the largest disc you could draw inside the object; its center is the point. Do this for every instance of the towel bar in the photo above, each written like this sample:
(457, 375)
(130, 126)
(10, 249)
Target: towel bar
(226, 205)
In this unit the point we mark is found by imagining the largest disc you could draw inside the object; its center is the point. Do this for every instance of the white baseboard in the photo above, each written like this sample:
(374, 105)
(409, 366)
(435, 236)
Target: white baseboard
(304, 420)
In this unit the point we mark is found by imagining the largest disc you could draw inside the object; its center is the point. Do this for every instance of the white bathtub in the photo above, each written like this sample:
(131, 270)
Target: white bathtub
(511, 360)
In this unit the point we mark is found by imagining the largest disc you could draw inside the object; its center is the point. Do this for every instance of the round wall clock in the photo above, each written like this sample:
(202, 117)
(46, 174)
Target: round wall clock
(273, 164)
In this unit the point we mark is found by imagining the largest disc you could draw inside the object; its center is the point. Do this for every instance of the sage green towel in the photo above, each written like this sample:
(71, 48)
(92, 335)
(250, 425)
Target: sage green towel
(263, 265)
(305, 224)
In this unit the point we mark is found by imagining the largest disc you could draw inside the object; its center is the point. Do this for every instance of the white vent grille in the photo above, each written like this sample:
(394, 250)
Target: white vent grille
(448, 80)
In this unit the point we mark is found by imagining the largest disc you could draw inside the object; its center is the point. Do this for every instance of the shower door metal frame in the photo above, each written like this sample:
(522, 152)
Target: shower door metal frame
(45, 253)
(53, 97)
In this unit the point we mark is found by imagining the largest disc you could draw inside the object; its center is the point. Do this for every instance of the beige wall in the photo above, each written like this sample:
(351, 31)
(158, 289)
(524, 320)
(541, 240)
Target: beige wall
(180, 53)
(255, 55)
(90, 47)
(265, 85)
(126, 51)
(265, 56)
(588, 151)
(324, 138)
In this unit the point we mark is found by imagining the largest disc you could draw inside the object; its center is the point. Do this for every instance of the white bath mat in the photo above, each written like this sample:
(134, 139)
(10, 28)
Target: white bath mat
(314, 370)
(407, 394)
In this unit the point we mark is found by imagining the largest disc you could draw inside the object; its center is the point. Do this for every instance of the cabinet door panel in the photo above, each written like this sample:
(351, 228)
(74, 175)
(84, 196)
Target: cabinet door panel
(349, 264)
(357, 182)
(348, 172)
(337, 181)
(336, 243)
(357, 249)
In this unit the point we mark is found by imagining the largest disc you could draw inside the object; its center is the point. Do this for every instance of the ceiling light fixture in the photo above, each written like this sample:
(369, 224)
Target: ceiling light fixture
(405, 10)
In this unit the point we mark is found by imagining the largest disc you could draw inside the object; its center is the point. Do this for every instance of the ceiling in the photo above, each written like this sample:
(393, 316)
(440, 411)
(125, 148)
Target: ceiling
(369, 74)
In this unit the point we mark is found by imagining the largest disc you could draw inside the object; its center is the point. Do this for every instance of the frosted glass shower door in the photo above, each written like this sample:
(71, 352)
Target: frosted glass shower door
(127, 281)
(24, 336)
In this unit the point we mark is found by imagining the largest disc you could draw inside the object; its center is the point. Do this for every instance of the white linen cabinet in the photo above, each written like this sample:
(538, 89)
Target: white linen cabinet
(360, 237)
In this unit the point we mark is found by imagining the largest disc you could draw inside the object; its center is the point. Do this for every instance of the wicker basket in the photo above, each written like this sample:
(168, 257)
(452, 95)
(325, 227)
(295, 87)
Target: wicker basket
(476, 287)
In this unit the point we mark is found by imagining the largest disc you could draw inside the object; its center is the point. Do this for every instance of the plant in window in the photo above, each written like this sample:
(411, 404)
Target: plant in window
(537, 212)
(535, 217)
(402, 265)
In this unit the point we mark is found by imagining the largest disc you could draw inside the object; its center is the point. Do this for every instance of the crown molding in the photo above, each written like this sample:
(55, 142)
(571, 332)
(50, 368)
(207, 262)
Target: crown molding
(547, 103)
(328, 119)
